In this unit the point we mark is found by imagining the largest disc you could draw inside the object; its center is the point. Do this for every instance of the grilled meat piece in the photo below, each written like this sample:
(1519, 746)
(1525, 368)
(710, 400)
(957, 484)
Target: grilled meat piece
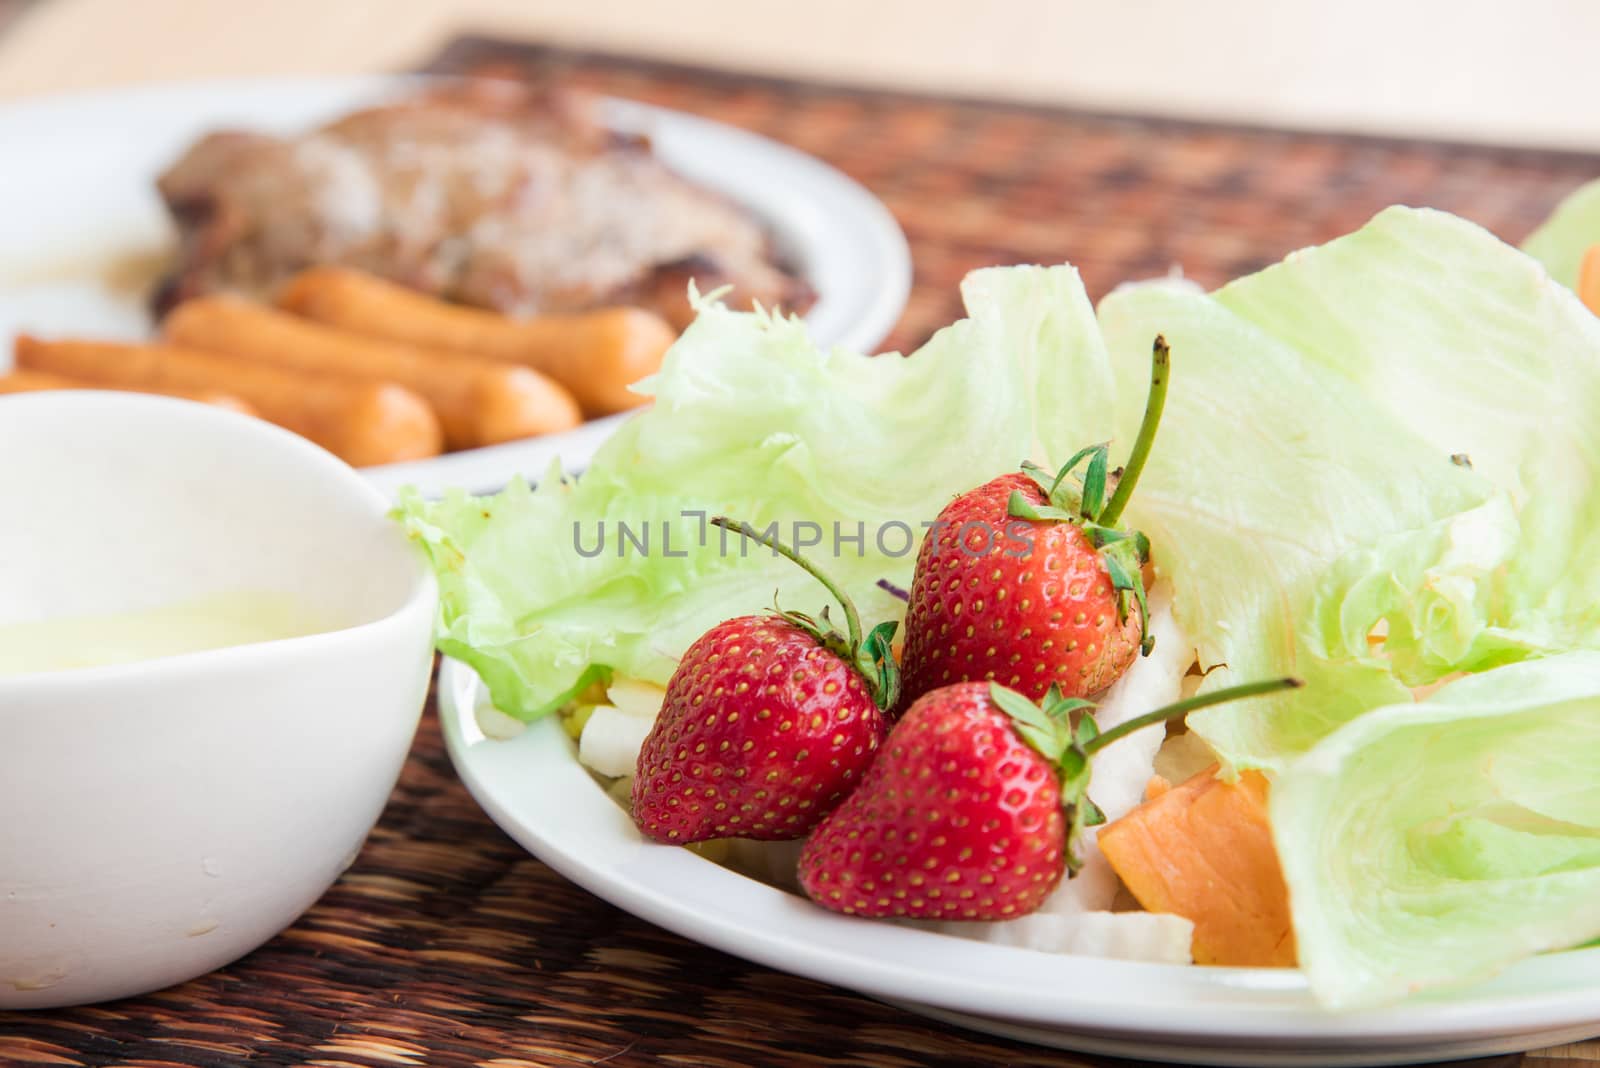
(492, 194)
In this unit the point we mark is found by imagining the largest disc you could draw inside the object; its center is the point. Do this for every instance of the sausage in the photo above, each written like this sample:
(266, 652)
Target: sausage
(478, 401)
(39, 382)
(597, 355)
(362, 423)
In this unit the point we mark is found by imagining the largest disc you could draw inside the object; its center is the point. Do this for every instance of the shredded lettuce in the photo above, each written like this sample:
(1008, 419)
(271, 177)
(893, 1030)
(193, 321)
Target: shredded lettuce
(541, 592)
(1560, 242)
(1434, 843)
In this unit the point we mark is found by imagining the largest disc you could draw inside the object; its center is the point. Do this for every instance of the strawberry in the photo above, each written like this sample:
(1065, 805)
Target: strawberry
(974, 809)
(768, 722)
(1028, 581)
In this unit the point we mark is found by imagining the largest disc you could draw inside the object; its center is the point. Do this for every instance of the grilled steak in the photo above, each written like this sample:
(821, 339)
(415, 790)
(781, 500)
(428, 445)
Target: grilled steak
(491, 194)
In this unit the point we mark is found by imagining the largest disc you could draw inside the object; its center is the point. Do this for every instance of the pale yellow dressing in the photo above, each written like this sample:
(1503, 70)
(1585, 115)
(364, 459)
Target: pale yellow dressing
(217, 621)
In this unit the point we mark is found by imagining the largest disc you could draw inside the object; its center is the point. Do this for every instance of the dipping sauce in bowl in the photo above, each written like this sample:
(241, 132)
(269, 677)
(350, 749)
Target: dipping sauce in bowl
(214, 649)
(217, 621)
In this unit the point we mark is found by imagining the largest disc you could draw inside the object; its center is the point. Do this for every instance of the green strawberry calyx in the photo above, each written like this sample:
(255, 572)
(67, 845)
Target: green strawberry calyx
(1125, 551)
(869, 654)
(1048, 729)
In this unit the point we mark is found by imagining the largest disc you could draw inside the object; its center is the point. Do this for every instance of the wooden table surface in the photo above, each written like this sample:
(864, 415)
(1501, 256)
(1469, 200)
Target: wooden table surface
(446, 944)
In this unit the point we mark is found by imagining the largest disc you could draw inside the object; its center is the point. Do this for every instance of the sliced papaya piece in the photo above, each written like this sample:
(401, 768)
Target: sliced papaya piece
(1203, 850)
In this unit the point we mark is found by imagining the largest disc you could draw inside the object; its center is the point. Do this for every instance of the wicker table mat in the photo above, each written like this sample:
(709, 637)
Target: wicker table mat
(446, 944)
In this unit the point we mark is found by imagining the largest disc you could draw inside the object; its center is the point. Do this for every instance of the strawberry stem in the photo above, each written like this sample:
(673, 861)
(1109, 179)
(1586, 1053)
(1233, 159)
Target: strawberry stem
(873, 658)
(1160, 363)
(1187, 705)
(852, 619)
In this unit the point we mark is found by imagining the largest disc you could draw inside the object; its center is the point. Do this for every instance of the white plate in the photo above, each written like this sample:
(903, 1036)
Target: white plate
(78, 211)
(533, 787)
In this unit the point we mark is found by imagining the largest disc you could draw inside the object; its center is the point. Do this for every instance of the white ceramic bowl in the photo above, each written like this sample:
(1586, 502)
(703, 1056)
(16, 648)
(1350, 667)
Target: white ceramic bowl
(163, 818)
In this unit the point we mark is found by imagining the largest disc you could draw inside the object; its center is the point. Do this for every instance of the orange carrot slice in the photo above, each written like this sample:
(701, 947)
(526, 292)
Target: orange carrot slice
(1203, 850)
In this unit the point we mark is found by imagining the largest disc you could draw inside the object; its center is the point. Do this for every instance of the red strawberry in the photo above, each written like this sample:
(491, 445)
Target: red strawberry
(768, 722)
(1037, 609)
(1028, 581)
(973, 809)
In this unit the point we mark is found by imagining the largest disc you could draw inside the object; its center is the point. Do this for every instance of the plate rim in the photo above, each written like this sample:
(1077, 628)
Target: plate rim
(1202, 1006)
(880, 243)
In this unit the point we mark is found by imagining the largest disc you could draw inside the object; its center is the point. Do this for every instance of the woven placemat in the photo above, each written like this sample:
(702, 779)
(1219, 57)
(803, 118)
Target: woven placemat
(448, 945)
(977, 183)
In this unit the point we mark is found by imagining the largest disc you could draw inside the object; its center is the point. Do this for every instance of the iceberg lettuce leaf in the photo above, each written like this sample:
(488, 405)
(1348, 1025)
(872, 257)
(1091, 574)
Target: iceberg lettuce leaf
(1467, 341)
(1435, 843)
(541, 589)
(1424, 338)
(1294, 516)
(1427, 843)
